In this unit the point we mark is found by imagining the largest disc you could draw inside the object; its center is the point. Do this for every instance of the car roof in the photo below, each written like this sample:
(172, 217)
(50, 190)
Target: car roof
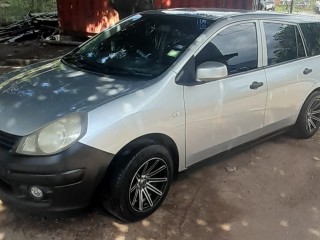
(216, 14)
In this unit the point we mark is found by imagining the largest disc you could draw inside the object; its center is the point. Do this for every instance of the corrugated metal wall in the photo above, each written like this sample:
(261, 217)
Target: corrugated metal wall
(87, 17)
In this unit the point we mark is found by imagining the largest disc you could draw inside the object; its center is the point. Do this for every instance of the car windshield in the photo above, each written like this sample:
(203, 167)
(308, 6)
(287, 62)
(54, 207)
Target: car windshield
(144, 46)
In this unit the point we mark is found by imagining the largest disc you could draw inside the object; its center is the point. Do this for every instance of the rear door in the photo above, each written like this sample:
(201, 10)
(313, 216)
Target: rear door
(288, 71)
(311, 35)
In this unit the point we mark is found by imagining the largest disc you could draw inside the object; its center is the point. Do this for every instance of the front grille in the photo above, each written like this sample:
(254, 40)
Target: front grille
(7, 141)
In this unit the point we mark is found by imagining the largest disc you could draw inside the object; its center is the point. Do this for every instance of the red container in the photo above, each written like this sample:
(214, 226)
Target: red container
(84, 18)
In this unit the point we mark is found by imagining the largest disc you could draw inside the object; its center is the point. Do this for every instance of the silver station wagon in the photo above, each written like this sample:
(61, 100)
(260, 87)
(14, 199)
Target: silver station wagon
(120, 115)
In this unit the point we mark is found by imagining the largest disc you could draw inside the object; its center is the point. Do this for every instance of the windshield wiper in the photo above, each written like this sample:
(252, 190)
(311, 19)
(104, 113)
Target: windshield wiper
(125, 71)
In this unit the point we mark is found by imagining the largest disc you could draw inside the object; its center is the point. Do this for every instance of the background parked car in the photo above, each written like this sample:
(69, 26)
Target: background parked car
(317, 7)
(268, 5)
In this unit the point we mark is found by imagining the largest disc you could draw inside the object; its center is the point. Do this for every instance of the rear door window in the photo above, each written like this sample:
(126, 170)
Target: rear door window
(311, 32)
(284, 43)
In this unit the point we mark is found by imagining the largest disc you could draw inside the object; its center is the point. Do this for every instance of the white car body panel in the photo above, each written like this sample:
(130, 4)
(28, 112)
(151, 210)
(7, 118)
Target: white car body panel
(222, 111)
(287, 90)
(155, 109)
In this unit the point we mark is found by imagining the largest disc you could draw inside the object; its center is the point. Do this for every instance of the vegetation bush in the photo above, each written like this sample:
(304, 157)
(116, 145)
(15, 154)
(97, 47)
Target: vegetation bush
(12, 10)
(298, 6)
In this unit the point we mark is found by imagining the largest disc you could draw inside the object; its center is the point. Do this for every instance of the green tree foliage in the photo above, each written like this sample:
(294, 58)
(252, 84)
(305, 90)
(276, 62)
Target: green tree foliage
(12, 10)
(298, 6)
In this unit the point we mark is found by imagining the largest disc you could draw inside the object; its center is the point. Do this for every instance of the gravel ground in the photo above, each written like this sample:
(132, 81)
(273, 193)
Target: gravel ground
(266, 191)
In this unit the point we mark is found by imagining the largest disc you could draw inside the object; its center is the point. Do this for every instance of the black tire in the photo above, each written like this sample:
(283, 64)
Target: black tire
(124, 204)
(307, 123)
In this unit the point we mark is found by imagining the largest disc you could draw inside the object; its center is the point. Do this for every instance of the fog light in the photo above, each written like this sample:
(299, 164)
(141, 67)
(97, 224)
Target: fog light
(36, 192)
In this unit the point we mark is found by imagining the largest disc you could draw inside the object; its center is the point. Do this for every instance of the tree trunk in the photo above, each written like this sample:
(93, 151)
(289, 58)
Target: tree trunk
(291, 6)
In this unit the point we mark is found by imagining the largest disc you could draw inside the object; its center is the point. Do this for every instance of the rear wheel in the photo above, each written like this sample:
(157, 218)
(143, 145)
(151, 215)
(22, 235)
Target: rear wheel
(309, 118)
(136, 189)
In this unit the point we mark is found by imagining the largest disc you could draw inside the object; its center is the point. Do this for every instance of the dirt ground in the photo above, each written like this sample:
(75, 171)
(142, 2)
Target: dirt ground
(266, 191)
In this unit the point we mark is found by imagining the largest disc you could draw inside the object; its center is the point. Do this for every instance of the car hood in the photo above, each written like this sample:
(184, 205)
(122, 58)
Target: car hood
(39, 94)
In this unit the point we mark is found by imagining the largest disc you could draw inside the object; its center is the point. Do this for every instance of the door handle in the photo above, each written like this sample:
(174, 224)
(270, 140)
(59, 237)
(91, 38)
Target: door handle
(307, 71)
(255, 85)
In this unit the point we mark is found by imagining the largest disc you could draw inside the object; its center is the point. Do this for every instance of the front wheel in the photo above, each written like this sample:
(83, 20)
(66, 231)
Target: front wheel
(309, 118)
(136, 189)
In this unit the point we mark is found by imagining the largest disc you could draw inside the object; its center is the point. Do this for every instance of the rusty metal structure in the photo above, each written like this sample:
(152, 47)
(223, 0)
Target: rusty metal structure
(84, 18)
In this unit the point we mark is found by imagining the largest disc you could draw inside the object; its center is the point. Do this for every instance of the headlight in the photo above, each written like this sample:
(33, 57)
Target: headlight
(55, 137)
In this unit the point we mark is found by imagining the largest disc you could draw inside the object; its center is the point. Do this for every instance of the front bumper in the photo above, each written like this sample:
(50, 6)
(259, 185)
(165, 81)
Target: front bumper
(68, 180)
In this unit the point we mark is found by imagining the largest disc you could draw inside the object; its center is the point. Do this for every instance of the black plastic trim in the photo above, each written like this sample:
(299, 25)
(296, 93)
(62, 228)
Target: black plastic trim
(68, 179)
(7, 141)
(59, 179)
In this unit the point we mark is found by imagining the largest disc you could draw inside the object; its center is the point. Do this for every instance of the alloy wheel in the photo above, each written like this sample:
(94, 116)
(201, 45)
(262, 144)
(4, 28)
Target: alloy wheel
(313, 115)
(148, 184)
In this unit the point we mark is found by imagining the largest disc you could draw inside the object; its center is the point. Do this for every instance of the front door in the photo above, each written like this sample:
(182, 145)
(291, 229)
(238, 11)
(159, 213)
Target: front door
(226, 112)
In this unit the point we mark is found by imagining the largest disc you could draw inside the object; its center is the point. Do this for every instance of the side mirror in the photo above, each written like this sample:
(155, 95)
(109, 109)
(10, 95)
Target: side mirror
(210, 71)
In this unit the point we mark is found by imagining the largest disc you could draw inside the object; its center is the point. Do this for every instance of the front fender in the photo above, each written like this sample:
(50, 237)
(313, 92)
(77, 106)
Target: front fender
(158, 108)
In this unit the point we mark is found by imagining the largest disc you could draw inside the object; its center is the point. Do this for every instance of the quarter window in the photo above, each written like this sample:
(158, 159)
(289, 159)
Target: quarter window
(235, 46)
(311, 32)
(283, 43)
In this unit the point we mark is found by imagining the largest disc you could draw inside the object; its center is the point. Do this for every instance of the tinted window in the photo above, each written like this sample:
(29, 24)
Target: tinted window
(311, 32)
(143, 46)
(283, 43)
(235, 46)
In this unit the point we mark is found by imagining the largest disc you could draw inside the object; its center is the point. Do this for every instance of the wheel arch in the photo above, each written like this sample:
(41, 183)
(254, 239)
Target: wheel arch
(121, 158)
(302, 128)
(314, 90)
(317, 89)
